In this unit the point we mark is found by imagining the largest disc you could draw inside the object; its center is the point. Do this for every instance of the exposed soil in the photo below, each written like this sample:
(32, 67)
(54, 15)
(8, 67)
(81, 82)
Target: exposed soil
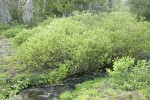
(6, 49)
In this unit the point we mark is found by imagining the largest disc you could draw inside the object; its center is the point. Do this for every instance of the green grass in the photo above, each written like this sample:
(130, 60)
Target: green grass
(1, 36)
(101, 89)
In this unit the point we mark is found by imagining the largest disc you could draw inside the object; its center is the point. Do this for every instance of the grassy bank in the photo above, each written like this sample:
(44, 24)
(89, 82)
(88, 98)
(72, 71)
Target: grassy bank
(127, 81)
(101, 89)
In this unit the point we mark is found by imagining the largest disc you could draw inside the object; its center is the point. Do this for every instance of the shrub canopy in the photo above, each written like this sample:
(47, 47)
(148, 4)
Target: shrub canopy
(84, 42)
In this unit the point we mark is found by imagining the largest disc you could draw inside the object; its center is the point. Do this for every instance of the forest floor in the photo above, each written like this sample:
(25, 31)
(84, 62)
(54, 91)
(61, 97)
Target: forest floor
(6, 50)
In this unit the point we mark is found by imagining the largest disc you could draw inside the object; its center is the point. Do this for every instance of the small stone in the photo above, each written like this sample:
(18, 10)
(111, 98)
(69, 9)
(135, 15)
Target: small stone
(51, 95)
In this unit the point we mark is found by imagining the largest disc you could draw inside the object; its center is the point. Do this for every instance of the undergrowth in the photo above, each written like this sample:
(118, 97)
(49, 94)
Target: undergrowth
(127, 81)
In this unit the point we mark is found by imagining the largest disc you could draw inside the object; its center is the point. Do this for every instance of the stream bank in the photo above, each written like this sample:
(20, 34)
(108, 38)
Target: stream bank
(48, 92)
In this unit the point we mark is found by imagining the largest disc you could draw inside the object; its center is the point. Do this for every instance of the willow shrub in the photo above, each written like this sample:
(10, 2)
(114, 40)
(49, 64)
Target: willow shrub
(71, 44)
(84, 45)
(129, 75)
(129, 36)
(23, 35)
(89, 20)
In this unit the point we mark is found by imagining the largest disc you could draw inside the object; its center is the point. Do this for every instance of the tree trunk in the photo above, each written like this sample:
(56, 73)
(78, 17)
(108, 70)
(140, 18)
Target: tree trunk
(110, 4)
(28, 11)
(44, 3)
(4, 12)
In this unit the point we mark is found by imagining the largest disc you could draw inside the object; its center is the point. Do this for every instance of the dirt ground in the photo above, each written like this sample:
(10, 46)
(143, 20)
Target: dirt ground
(6, 48)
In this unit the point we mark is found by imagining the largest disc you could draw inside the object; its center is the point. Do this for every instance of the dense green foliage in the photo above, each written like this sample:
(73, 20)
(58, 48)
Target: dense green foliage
(141, 8)
(65, 41)
(130, 76)
(26, 33)
(127, 74)
(73, 40)
(11, 30)
(87, 41)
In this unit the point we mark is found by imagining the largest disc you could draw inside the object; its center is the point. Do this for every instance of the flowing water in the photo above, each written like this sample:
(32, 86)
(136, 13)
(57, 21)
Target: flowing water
(48, 92)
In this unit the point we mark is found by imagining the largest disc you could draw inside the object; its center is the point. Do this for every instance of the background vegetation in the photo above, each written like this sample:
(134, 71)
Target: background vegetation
(64, 38)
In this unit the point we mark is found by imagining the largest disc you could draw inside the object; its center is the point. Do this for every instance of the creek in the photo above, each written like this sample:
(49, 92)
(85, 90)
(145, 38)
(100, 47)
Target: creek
(48, 92)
